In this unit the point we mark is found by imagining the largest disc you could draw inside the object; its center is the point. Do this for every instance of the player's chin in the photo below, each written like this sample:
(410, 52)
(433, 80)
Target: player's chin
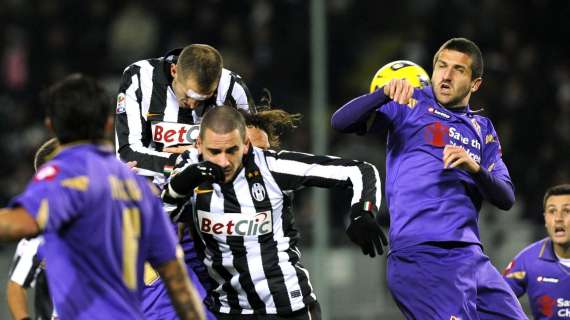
(560, 236)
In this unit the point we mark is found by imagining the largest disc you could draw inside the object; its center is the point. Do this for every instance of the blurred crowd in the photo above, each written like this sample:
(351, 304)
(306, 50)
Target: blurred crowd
(526, 88)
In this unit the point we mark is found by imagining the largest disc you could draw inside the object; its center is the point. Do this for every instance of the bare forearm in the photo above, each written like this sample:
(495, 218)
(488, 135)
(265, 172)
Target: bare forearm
(184, 296)
(16, 224)
(17, 300)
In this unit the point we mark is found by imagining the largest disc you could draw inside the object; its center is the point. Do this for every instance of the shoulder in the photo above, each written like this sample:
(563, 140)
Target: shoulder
(143, 68)
(143, 64)
(56, 170)
(533, 250)
(226, 78)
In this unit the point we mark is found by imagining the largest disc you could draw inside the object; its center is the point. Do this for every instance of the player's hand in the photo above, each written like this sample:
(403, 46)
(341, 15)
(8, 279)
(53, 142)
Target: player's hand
(183, 182)
(457, 157)
(365, 232)
(178, 149)
(133, 165)
(399, 90)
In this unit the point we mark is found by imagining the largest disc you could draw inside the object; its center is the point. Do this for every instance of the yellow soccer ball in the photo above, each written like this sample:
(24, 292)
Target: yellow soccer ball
(401, 69)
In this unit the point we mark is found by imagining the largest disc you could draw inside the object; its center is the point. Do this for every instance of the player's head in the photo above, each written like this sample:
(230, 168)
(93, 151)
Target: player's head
(196, 74)
(457, 72)
(78, 109)
(45, 152)
(557, 214)
(265, 126)
(400, 69)
(223, 139)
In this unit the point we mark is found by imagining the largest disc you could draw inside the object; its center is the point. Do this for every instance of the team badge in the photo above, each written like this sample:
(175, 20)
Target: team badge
(412, 103)
(121, 103)
(476, 126)
(258, 192)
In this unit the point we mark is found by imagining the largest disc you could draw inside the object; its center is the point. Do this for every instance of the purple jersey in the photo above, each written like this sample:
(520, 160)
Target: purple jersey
(537, 272)
(100, 222)
(156, 302)
(426, 201)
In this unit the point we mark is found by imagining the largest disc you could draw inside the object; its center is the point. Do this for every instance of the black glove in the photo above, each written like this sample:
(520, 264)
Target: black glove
(365, 231)
(193, 175)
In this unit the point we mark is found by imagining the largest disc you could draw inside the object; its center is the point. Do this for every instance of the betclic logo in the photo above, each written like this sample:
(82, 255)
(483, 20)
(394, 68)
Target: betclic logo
(172, 133)
(235, 224)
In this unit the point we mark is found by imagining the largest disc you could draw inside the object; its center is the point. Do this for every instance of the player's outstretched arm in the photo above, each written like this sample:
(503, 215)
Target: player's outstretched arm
(17, 300)
(293, 170)
(16, 224)
(184, 297)
(353, 115)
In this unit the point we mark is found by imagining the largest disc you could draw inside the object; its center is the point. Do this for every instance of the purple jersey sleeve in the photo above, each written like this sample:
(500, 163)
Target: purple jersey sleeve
(53, 198)
(516, 275)
(494, 180)
(163, 242)
(354, 115)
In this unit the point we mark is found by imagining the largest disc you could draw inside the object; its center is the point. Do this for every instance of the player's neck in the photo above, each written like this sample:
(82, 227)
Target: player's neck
(562, 251)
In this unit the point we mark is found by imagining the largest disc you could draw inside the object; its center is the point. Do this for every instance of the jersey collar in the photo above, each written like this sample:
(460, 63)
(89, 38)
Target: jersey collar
(462, 110)
(547, 251)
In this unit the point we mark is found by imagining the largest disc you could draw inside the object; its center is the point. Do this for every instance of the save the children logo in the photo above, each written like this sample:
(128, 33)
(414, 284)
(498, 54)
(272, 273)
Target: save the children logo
(546, 305)
(437, 134)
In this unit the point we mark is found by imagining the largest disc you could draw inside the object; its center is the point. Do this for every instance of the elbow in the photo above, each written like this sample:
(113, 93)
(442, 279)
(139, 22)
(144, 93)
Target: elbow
(337, 124)
(507, 203)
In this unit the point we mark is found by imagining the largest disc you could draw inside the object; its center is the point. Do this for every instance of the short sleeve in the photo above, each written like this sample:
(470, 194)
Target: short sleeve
(53, 197)
(516, 276)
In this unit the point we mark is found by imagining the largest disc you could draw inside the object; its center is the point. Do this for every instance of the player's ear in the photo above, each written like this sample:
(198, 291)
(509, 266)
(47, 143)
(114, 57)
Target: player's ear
(173, 69)
(199, 144)
(475, 84)
(247, 145)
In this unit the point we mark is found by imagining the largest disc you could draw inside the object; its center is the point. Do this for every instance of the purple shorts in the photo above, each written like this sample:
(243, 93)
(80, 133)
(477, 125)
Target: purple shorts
(449, 281)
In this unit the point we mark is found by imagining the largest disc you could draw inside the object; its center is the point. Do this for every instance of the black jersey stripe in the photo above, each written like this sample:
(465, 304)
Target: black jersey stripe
(250, 102)
(269, 252)
(239, 252)
(32, 272)
(159, 90)
(203, 201)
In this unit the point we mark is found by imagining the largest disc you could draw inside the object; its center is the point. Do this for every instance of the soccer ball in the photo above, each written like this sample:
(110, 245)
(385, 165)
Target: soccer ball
(401, 69)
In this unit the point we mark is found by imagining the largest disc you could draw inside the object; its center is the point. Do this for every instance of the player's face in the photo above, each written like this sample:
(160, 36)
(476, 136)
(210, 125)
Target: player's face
(258, 137)
(187, 91)
(224, 149)
(451, 79)
(557, 219)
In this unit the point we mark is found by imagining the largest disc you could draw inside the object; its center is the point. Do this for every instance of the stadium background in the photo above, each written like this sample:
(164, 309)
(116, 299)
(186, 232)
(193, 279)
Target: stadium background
(526, 93)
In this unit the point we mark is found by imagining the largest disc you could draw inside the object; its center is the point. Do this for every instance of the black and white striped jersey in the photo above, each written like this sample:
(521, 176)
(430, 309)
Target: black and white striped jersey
(25, 264)
(245, 230)
(148, 116)
(28, 271)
